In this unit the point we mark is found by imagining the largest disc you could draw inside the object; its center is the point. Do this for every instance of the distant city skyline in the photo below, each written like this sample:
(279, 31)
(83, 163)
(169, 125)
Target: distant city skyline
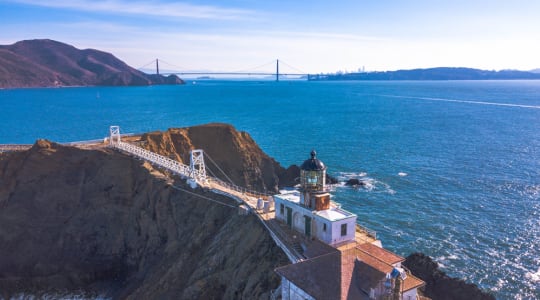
(313, 36)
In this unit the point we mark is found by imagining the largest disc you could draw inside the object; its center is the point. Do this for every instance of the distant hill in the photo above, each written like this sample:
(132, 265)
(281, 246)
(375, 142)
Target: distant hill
(432, 74)
(48, 63)
(535, 70)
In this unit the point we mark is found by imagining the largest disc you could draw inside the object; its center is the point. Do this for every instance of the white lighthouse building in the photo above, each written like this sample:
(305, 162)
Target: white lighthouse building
(354, 267)
(309, 210)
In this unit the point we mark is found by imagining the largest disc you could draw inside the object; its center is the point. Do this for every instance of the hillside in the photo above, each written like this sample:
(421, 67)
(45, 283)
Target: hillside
(432, 74)
(48, 63)
(101, 223)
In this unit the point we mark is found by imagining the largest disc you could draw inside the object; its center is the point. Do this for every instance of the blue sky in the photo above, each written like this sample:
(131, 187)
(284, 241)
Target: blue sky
(313, 36)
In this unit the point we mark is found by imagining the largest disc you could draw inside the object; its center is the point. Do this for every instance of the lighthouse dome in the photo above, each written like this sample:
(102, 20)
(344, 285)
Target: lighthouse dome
(313, 164)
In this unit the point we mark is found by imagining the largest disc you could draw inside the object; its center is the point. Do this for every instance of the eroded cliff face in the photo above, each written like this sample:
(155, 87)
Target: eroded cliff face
(234, 151)
(105, 223)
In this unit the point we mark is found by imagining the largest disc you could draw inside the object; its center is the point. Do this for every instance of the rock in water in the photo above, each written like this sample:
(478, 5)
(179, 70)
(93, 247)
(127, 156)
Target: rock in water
(355, 182)
(438, 284)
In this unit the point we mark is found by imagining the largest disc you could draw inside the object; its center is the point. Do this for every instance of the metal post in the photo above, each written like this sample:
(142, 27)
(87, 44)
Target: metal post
(277, 69)
(114, 137)
(196, 165)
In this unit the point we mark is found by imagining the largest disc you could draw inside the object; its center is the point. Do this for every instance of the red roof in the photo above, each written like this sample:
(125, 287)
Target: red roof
(380, 253)
(346, 274)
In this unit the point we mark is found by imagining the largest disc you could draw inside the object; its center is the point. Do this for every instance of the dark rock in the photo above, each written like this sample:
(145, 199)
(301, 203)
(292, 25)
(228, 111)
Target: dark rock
(355, 182)
(438, 284)
(330, 179)
(289, 177)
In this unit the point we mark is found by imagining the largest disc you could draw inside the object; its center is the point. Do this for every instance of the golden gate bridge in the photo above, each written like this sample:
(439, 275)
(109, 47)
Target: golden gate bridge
(255, 71)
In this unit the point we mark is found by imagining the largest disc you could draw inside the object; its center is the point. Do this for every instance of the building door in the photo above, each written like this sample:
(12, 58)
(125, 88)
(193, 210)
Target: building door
(308, 226)
(289, 216)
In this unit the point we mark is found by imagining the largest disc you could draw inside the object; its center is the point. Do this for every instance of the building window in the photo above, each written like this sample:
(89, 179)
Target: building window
(343, 229)
(281, 209)
(324, 227)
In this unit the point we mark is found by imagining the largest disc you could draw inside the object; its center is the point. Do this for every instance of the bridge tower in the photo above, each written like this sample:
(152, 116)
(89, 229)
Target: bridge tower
(157, 66)
(277, 69)
(196, 165)
(114, 137)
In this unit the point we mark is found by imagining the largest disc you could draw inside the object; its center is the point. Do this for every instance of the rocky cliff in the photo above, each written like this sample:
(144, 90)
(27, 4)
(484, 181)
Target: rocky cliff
(103, 223)
(245, 164)
(48, 63)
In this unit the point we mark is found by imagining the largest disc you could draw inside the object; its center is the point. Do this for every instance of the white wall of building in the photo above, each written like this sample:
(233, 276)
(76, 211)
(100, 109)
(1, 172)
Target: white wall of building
(409, 295)
(330, 234)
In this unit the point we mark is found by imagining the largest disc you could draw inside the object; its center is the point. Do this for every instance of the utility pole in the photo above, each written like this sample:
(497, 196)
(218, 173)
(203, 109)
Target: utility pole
(277, 69)
(157, 66)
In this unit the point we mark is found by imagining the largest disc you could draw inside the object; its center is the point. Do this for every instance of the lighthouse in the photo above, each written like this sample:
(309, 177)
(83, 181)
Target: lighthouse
(308, 209)
(313, 184)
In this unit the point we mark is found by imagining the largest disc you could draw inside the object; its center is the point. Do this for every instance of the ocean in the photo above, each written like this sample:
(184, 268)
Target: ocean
(452, 167)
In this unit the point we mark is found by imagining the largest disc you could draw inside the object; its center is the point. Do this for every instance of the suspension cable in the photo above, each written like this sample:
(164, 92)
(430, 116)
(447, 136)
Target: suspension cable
(296, 69)
(254, 68)
(150, 63)
(172, 65)
(212, 161)
(201, 196)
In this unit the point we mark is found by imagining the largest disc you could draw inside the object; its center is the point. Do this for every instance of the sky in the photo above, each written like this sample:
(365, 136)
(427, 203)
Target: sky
(309, 36)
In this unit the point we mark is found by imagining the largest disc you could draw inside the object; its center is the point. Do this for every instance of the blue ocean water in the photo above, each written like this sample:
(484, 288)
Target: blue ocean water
(453, 167)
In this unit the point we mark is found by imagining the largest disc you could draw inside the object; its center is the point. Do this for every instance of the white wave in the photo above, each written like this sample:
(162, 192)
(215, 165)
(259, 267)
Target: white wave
(368, 184)
(402, 174)
(462, 101)
(533, 276)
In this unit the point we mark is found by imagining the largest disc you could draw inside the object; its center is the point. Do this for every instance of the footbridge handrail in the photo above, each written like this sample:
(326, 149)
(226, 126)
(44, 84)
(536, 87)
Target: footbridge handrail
(14, 147)
(197, 172)
(237, 188)
(160, 160)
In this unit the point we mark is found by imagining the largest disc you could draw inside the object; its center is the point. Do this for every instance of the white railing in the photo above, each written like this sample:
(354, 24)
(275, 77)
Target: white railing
(160, 160)
(368, 231)
(239, 189)
(14, 147)
(186, 171)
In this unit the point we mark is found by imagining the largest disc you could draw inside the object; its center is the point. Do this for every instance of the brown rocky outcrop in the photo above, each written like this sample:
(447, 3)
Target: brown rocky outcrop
(438, 284)
(48, 63)
(103, 223)
(227, 149)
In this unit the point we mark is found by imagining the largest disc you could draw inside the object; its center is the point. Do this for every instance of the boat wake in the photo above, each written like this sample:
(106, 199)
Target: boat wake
(462, 101)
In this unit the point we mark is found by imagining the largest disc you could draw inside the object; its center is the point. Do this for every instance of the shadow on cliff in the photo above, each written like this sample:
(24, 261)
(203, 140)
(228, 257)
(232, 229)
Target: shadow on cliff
(103, 223)
(225, 149)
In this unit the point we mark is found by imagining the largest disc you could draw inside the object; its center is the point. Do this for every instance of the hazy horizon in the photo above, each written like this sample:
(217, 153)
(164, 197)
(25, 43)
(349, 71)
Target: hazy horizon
(313, 37)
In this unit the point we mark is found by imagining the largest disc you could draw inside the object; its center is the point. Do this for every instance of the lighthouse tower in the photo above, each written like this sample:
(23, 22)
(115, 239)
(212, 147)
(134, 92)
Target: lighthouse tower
(313, 184)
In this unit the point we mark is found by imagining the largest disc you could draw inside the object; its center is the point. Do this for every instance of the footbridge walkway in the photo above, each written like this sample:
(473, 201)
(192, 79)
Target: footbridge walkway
(195, 174)
(293, 244)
